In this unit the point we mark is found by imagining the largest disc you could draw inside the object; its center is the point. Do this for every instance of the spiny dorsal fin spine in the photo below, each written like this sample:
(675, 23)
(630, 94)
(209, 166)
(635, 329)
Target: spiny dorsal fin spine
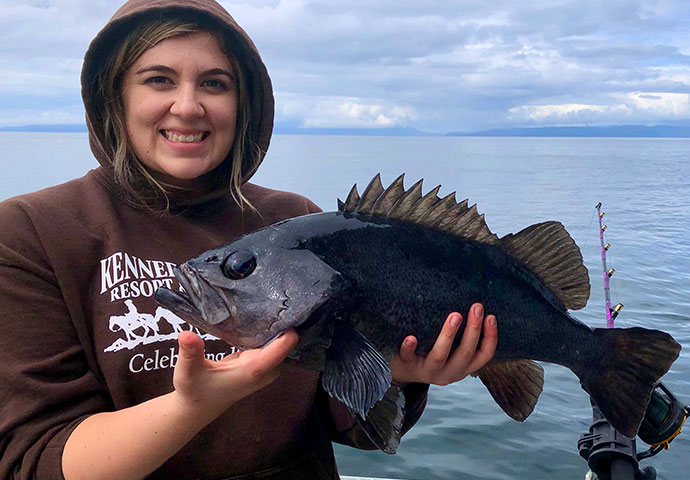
(370, 195)
(399, 210)
(422, 205)
(453, 215)
(388, 198)
(465, 218)
(352, 200)
(413, 207)
(476, 223)
(439, 210)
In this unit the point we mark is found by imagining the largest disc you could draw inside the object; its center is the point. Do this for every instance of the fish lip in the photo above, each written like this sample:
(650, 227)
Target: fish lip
(176, 302)
(196, 287)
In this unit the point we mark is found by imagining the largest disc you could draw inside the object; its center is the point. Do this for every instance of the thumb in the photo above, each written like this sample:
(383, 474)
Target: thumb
(190, 359)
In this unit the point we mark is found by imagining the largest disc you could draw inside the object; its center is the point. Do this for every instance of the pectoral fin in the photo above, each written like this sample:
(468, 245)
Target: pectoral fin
(355, 372)
(384, 421)
(515, 385)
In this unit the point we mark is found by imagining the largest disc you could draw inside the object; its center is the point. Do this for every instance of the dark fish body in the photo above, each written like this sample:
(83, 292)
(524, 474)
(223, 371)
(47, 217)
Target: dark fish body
(408, 279)
(356, 282)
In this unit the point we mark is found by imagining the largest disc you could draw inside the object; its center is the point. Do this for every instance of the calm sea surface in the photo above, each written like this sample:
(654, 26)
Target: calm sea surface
(644, 185)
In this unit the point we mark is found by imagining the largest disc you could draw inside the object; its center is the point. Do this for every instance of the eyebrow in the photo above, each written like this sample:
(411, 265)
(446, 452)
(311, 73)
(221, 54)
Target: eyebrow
(164, 69)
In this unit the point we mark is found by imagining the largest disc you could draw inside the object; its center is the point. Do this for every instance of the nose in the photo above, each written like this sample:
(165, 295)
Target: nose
(187, 103)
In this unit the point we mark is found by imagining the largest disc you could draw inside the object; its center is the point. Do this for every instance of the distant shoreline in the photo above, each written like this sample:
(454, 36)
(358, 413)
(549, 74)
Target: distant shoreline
(613, 131)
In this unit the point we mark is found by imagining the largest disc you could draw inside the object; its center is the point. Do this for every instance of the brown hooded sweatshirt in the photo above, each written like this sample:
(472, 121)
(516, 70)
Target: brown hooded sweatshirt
(80, 332)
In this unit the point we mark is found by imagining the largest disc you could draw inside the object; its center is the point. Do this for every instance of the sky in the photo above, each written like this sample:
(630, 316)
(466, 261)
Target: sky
(435, 65)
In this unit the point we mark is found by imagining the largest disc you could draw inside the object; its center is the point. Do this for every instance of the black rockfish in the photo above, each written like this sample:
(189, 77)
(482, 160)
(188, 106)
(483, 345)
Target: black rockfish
(393, 263)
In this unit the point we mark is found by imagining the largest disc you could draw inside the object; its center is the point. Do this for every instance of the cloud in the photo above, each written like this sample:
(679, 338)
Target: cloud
(622, 108)
(434, 65)
(664, 105)
(341, 112)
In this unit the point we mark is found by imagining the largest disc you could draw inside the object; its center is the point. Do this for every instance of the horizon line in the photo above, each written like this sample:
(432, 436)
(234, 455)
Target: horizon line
(616, 131)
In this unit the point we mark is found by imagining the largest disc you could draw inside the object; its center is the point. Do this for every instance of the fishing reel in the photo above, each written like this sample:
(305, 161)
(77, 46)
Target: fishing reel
(663, 421)
(612, 456)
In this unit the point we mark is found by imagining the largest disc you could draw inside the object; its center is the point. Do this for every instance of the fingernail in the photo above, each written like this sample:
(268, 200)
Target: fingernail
(492, 322)
(478, 310)
(454, 321)
(409, 342)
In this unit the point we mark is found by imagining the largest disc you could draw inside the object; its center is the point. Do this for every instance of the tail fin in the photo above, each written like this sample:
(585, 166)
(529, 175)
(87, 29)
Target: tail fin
(628, 366)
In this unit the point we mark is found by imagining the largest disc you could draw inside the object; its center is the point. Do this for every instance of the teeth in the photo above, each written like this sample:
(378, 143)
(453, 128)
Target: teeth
(173, 137)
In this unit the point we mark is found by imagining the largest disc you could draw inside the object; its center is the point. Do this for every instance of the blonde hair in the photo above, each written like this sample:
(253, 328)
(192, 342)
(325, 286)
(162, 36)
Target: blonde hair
(129, 172)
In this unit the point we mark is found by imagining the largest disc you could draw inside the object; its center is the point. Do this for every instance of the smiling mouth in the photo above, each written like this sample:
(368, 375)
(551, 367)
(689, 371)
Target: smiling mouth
(185, 138)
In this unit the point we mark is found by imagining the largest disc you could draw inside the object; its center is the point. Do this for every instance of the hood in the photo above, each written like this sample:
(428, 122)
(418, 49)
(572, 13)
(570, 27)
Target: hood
(135, 12)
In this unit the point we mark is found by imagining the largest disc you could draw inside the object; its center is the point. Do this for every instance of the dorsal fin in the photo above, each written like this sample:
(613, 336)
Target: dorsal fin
(407, 199)
(371, 195)
(438, 211)
(410, 206)
(422, 206)
(388, 198)
(549, 252)
(351, 202)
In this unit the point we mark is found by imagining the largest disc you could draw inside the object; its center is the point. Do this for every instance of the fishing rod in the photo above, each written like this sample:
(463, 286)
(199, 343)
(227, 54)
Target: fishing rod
(611, 455)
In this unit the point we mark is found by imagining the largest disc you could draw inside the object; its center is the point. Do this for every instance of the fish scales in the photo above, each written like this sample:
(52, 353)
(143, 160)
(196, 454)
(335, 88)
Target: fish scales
(393, 262)
(440, 274)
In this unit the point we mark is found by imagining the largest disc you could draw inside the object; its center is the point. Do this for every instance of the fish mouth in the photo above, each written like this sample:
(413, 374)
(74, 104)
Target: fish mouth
(200, 303)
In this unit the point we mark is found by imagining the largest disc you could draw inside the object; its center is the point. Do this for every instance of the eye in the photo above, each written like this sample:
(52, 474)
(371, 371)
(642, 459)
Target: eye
(217, 84)
(158, 79)
(239, 264)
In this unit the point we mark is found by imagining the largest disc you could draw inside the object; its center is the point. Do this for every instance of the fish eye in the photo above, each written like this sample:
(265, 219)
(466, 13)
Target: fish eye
(239, 264)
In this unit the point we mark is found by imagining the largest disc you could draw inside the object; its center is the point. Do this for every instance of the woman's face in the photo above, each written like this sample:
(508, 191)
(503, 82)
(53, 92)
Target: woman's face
(180, 100)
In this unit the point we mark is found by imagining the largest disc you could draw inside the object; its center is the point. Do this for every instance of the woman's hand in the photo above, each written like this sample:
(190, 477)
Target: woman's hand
(440, 367)
(210, 387)
(134, 441)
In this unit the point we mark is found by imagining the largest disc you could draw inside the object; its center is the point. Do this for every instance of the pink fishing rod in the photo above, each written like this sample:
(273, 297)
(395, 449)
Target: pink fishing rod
(611, 313)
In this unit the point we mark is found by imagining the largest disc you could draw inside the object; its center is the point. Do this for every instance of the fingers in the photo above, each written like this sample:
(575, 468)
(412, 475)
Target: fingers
(190, 359)
(438, 355)
(407, 366)
(468, 358)
(488, 344)
(476, 348)
(407, 349)
(470, 338)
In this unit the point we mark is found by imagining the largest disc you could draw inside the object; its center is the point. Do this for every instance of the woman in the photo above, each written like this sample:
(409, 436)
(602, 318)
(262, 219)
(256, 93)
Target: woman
(180, 110)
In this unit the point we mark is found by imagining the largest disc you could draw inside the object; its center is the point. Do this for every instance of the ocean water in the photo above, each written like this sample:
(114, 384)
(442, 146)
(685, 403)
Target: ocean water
(644, 186)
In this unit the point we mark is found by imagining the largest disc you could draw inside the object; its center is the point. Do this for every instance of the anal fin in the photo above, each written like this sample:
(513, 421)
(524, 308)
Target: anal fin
(514, 384)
